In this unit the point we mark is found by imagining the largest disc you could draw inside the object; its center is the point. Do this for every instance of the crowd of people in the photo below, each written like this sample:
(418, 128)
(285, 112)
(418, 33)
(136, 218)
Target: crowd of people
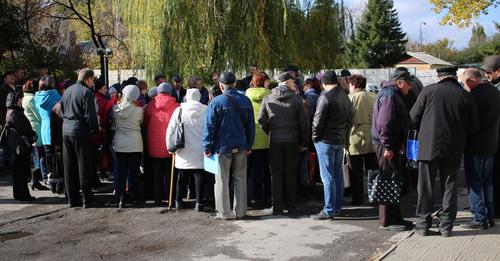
(271, 140)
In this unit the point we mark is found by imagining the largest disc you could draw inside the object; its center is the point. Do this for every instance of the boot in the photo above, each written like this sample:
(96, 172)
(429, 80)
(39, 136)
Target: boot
(36, 185)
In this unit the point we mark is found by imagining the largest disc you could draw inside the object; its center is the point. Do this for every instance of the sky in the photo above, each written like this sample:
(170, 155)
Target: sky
(412, 12)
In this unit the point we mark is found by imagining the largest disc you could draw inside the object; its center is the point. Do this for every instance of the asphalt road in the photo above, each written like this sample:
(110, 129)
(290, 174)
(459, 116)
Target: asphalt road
(48, 230)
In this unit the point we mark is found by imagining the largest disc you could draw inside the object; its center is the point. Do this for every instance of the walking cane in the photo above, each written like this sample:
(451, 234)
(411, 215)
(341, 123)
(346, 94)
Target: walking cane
(171, 183)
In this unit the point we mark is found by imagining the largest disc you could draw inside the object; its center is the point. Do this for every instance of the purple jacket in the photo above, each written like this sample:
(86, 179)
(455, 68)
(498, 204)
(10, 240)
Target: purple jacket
(390, 121)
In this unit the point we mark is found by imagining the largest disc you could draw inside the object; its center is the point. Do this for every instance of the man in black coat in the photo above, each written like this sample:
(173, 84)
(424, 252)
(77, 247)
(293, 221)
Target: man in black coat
(491, 66)
(178, 91)
(481, 146)
(445, 114)
(80, 125)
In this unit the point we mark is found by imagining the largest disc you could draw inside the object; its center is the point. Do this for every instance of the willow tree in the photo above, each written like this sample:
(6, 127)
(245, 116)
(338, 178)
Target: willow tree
(196, 37)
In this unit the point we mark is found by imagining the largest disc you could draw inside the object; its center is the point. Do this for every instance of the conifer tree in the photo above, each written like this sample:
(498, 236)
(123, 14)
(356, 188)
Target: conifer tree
(380, 41)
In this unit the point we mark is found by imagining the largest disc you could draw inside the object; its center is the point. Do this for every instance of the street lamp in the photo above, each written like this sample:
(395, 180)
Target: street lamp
(421, 39)
(106, 53)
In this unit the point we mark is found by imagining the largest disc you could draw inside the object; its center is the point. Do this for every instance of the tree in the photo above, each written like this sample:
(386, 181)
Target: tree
(478, 35)
(461, 12)
(196, 37)
(380, 41)
(443, 49)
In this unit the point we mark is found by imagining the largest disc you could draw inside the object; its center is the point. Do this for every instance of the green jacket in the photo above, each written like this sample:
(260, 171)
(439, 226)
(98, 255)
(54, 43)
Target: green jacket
(360, 138)
(256, 95)
(33, 116)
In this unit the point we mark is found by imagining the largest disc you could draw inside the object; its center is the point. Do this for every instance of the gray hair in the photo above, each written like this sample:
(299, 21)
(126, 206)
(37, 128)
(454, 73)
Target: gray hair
(85, 74)
(472, 73)
(232, 85)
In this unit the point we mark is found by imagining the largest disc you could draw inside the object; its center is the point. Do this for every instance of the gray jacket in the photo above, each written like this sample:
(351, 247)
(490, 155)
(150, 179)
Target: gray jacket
(283, 117)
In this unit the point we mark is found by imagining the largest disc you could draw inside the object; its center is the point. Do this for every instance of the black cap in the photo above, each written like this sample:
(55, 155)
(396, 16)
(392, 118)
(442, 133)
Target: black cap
(283, 77)
(400, 75)
(227, 77)
(329, 77)
(491, 63)
(176, 79)
(447, 71)
(345, 73)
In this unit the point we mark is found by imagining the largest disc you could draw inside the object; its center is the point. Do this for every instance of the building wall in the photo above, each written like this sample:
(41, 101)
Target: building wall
(417, 66)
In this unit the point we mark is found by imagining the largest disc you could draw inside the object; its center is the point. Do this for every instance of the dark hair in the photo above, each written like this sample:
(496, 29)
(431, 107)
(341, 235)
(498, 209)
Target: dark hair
(31, 86)
(7, 73)
(239, 85)
(46, 83)
(259, 79)
(99, 84)
(357, 80)
(159, 76)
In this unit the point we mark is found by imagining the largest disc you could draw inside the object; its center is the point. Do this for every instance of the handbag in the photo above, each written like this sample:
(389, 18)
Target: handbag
(384, 187)
(412, 149)
(176, 138)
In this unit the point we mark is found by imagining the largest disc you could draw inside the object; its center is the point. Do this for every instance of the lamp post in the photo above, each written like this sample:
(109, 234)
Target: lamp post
(104, 54)
(421, 39)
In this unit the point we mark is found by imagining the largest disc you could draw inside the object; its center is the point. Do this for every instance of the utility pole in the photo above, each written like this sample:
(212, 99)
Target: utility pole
(421, 38)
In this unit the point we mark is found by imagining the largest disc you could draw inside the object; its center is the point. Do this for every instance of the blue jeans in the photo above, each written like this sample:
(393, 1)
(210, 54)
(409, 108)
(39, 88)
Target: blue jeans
(330, 166)
(479, 176)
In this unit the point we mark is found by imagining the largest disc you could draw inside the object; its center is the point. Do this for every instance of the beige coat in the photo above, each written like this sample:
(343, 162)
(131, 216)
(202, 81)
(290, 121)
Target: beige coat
(360, 138)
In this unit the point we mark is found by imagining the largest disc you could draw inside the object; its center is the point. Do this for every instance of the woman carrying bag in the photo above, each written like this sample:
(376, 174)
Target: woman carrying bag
(189, 159)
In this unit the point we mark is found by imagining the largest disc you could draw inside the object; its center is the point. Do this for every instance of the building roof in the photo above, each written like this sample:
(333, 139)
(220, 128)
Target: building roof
(424, 58)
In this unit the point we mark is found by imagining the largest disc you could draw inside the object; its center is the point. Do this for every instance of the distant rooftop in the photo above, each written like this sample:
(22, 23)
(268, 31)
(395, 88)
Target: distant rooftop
(420, 57)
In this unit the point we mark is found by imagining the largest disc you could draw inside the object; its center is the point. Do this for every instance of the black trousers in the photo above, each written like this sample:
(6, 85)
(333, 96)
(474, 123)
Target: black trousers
(496, 182)
(388, 214)
(161, 168)
(259, 176)
(78, 167)
(20, 174)
(182, 180)
(284, 159)
(358, 165)
(129, 164)
(428, 170)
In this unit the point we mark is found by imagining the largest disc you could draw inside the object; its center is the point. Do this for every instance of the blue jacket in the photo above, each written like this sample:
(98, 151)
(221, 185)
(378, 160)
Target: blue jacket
(228, 127)
(45, 101)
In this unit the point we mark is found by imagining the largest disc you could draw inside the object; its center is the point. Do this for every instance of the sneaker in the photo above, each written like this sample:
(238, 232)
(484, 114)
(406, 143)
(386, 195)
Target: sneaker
(321, 216)
(219, 217)
(475, 225)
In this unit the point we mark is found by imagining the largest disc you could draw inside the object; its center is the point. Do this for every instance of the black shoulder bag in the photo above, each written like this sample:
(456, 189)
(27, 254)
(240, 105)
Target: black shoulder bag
(176, 138)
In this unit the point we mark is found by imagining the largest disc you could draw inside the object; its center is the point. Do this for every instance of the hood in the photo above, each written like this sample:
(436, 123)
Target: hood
(47, 99)
(164, 102)
(282, 93)
(257, 94)
(193, 109)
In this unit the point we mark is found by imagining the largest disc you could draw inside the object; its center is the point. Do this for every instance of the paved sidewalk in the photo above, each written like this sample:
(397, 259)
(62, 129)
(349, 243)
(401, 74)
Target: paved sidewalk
(481, 245)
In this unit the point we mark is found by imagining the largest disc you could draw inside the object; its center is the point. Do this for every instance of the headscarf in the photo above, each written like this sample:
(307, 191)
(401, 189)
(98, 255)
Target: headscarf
(130, 94)
(192, 95)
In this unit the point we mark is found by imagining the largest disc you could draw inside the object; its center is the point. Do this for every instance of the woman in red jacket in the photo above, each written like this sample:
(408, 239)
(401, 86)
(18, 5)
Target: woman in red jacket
(156, 118)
